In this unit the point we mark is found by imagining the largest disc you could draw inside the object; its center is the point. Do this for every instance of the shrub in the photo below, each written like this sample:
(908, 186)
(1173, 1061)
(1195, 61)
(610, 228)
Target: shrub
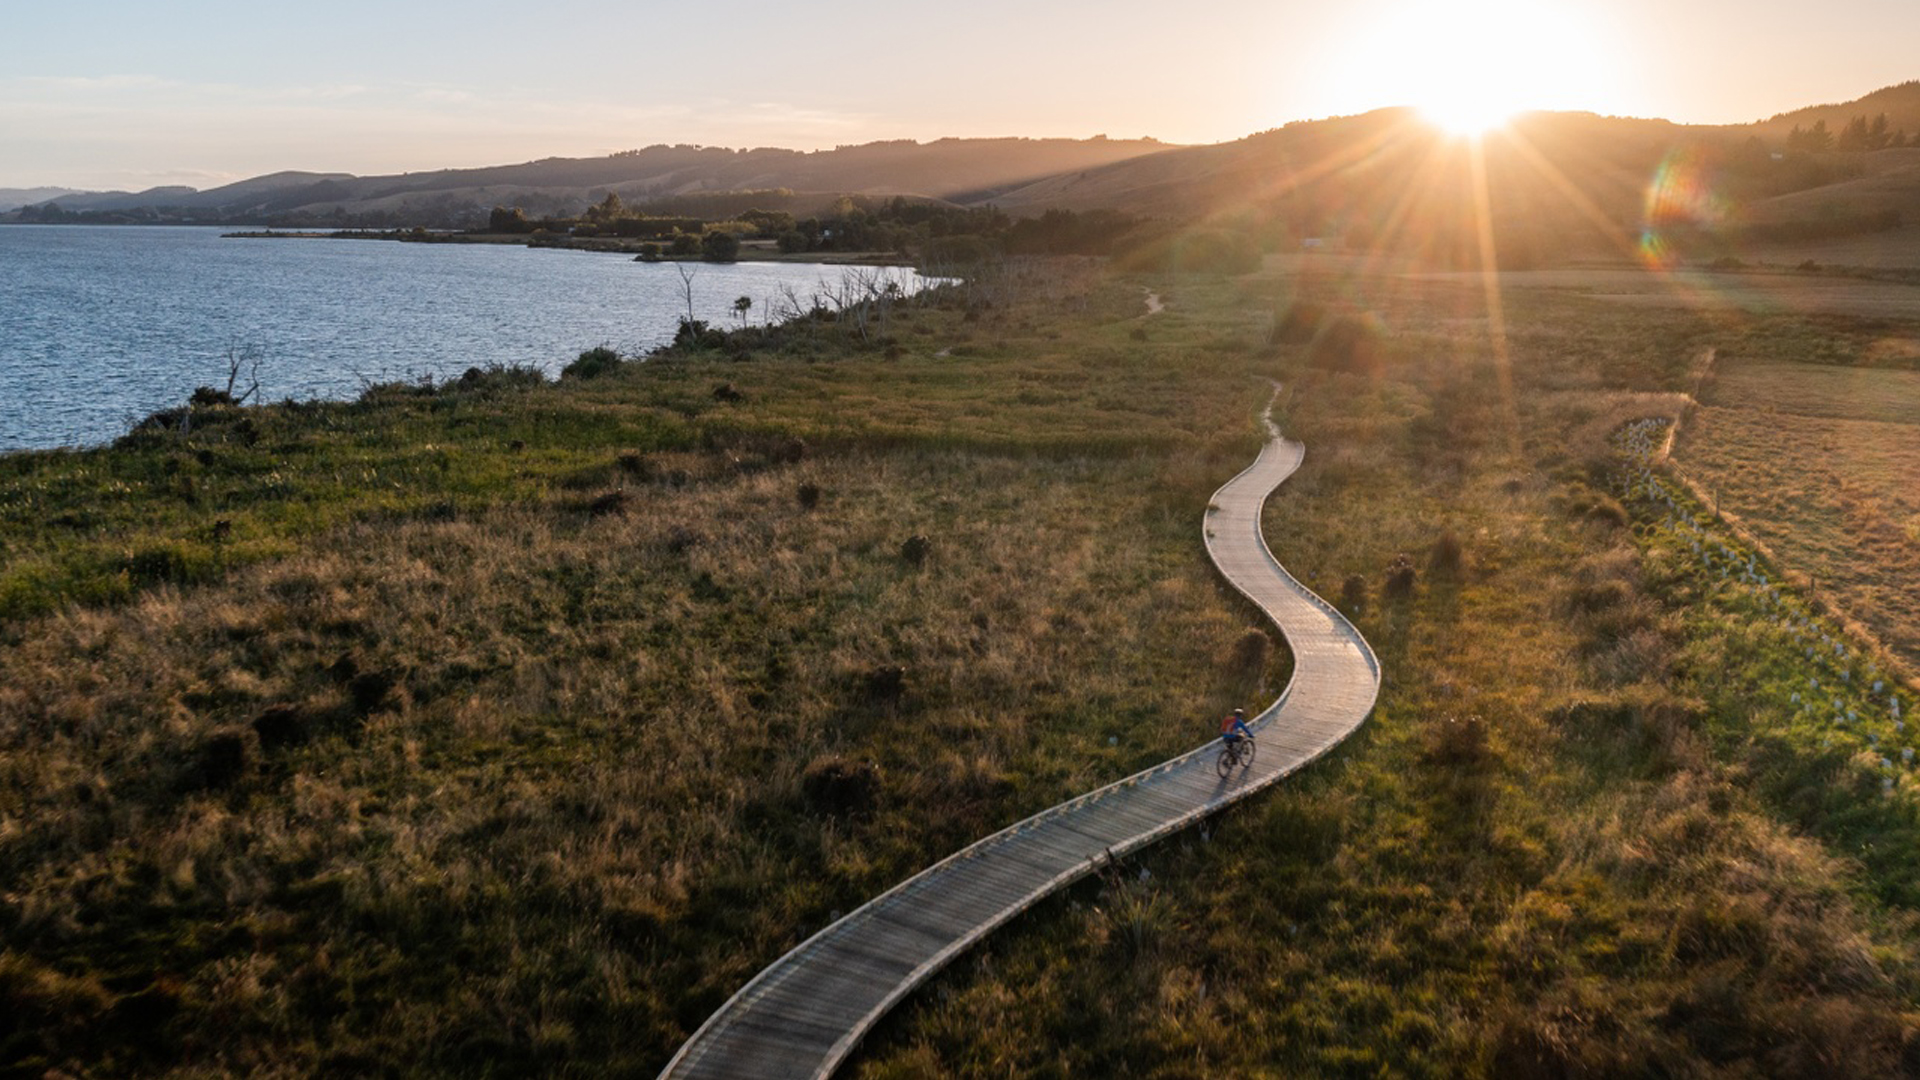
(1457, 742)
(885, 684)
(1353, 594)
(1250, 654)
(696, 334)
(283, 726)
(370, 690)
(1607, 510)
(1298, 324)
(834, 785)
(720, 247)
(591, 364)
(501, 377)
(1400, 578)
(915, 550)
(609, 504)
(217, 762)
(1355, 344)
(1447, 557)
(809, 495)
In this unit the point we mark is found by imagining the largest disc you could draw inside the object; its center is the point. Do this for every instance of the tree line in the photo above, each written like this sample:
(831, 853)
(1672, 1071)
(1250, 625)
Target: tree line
(1859, 136)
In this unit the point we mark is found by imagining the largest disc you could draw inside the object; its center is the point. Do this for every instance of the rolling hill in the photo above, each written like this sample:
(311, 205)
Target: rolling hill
(960, 170)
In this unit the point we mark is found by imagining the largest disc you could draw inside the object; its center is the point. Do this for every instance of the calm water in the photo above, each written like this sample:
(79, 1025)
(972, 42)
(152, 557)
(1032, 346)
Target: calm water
(100, 326)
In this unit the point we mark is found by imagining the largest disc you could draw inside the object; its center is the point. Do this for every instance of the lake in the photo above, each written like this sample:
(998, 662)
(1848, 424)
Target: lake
(102, 325)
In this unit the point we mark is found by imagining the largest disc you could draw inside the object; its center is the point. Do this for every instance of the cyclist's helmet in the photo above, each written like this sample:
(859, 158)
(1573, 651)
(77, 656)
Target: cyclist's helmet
(1239, 714)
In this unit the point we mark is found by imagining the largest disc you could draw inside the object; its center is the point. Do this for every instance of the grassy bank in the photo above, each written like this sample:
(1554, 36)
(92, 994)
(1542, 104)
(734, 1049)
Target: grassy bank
(509, 726)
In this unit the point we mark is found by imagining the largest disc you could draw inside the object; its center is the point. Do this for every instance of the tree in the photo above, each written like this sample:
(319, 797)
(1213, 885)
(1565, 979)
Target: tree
(740, 309)
(720, 247)
(507, 220)
(1853, 137)
(1813, 139)
(610, 208)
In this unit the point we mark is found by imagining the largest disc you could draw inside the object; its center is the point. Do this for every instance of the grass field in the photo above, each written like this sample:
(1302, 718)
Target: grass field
(1545, 856)
(507, 727)
(1822, 461)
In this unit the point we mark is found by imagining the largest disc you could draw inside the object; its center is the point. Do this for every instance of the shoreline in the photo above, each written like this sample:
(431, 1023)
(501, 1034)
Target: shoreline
(750, 250)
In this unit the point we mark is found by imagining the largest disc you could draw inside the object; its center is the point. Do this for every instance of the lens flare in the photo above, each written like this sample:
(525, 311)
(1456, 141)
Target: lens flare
(1683, 196)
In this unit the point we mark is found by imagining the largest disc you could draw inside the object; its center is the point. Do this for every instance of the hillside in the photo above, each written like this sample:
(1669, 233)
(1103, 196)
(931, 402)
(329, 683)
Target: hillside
(14, 197)
(1900, 104)
(1888, 180)
(952, 169)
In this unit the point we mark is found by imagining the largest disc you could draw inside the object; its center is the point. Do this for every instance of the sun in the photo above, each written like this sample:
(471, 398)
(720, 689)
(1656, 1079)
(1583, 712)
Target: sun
(1467, 111)
(1470, 65)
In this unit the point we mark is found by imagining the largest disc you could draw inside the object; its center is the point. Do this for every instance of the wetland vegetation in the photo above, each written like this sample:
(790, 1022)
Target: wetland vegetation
(507, 725)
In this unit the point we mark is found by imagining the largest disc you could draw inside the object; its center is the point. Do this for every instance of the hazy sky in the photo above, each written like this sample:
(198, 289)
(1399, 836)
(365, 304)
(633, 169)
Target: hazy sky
(133, 93)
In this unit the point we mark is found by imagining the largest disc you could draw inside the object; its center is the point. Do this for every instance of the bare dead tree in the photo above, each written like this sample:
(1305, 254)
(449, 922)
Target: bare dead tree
(243, 359)
(686, 286)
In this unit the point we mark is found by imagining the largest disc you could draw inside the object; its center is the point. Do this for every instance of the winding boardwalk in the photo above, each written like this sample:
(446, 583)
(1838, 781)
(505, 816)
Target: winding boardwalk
(808, 1010)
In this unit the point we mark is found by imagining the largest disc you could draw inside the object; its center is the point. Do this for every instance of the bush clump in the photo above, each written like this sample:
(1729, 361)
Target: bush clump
(1457, 742)
(1447, 557)
(1401, 578)
(1250, 655)
(885, 684)
(1354, 344)
(1353, 594)
(1298, 324)
(592, 364)
(217, 762)
(609, 504)
(836, 786)
(915, 550)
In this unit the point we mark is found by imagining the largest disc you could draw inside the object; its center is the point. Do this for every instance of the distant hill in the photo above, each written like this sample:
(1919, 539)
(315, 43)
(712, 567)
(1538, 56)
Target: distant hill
(1555, 184)
(16, 197)
(958, 170)
(1886, 180)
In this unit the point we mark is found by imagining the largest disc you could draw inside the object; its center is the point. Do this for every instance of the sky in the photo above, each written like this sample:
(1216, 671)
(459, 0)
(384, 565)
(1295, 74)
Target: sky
(131, 94)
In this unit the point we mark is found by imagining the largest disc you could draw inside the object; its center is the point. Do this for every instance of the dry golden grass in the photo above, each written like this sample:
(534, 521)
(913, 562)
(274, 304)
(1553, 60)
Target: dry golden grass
(1823, 465)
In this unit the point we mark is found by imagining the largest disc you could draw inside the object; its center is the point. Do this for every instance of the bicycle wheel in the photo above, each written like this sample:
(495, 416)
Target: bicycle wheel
(1247, 747)
(1224, 766)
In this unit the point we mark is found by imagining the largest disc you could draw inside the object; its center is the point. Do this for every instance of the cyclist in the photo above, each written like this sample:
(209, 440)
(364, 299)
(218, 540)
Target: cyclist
(1234, 725)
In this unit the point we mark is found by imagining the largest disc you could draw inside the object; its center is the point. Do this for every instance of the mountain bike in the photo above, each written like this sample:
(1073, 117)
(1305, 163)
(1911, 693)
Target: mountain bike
(1238, 753)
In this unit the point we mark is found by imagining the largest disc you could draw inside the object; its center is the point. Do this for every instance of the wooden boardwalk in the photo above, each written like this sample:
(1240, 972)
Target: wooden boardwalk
(808, 1010)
